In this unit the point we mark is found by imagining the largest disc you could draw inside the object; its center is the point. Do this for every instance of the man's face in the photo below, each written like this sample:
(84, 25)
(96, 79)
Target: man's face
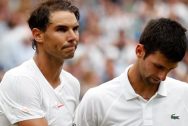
(61, 36)
(154, 68)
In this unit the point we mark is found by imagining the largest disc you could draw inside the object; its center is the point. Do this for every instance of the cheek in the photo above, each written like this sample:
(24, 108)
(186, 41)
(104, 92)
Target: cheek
(148, 69)
(53, 43)
(152, 71)
(58, 41)
(77, 37)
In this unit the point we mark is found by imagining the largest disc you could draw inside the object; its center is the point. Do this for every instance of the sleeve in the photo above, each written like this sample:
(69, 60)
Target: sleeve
(87, 112)
(20, 98)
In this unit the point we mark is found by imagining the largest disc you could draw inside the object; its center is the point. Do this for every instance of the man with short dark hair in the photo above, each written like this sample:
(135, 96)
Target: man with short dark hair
(143, 95)
(39, 92)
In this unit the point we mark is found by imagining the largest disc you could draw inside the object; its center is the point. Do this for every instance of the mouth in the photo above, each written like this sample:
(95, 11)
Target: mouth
(70, 45)
(70, 48)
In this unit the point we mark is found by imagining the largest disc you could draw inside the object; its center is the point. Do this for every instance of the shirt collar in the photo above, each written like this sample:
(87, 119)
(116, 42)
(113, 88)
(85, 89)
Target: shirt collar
(128, 89)
(162, 91)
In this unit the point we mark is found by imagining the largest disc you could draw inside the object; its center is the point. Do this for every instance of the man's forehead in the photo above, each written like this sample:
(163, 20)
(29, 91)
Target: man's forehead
(66, 15)
(63, 18)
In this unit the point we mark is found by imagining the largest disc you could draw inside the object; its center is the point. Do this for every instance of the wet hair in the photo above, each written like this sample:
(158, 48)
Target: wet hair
(166, 36)
(40, 16)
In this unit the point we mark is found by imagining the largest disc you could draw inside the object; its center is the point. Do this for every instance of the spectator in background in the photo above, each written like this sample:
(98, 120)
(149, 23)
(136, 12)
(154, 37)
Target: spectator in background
(15, 40)
(4, 14)
(39, 92)
(143, 95)
(16, 47)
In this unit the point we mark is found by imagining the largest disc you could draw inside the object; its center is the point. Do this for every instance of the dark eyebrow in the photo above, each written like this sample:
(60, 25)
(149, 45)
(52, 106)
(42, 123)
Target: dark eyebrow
(163, 67)
(66, 26)
(61, 26)
(76, 27)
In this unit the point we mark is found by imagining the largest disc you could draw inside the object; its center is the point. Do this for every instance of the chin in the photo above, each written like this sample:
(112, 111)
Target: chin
(152, 82)
(69, 57)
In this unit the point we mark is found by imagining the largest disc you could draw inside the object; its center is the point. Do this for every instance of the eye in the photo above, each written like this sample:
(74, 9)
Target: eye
(159, 66)
(62, 29)
(76, 29)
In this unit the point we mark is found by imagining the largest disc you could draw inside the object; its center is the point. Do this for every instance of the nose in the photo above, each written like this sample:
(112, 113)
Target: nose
(162, 75)
(72, 35)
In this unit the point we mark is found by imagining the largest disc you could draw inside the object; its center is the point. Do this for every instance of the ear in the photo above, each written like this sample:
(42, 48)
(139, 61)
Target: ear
(140, 51)
(37, 35)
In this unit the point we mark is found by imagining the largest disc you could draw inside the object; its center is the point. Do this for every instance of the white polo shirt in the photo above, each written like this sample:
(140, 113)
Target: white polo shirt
(26, 94)
(115, 103)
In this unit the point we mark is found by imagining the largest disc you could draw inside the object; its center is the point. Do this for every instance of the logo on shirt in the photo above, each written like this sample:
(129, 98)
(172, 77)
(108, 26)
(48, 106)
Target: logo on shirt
(174, 116)
(59, 105)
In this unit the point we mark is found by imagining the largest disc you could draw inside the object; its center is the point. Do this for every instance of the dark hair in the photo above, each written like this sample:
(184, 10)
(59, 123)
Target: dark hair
(40, 17)
(166, 36)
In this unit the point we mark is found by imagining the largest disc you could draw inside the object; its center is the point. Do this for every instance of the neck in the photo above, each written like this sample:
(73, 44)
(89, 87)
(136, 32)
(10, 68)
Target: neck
(50, 68)
(139, 85)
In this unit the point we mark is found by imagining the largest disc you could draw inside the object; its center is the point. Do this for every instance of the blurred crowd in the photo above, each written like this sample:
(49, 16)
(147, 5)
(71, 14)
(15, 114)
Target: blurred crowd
(109, 31)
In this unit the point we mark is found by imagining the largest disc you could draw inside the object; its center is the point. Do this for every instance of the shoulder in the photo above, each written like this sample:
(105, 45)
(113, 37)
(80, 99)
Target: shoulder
(25, 69)
(174, 83)
(106, 92)
(176, 87)
(19, 79)
(178, 90)
(97, 101)
(21, 73)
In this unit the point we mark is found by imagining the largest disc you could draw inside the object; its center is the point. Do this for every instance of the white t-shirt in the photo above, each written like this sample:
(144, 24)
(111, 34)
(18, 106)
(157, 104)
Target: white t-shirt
(26, 94)
(115, 103)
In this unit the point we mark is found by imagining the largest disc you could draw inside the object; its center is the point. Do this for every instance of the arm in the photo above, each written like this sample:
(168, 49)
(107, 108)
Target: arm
(34, 122)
